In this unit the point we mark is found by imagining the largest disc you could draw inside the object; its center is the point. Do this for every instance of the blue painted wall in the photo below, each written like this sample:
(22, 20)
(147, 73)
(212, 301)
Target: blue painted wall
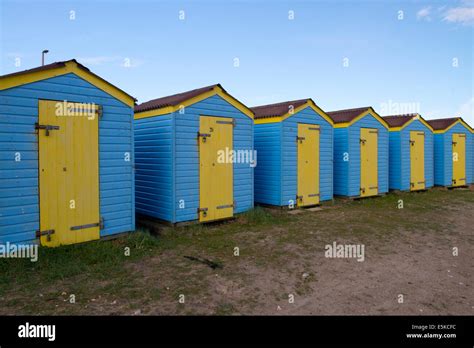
(276, 171)
(399, 157)
(268, 184)
(443, 154)
(19, 200)
(167, 166)
(347, 157)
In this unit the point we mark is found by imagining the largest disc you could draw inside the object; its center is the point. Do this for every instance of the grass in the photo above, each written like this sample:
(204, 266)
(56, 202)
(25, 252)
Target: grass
(267, 238)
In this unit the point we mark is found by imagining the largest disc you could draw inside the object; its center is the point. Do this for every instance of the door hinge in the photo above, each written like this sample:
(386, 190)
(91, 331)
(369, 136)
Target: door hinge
(99, 224)
(46, 127)
(225, 206)
(313, 195)
(233, 122)
(46, 233)
(314, 129)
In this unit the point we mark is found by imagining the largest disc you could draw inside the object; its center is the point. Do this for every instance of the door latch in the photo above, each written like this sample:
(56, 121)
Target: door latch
(46, 127)
(204, 136)
(203, 211)
(300, 139)
(362, 141)
(46, 233)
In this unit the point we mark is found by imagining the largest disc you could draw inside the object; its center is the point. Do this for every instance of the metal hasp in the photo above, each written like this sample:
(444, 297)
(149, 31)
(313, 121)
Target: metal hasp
(203, 135)
(46, 233)
(46, 127)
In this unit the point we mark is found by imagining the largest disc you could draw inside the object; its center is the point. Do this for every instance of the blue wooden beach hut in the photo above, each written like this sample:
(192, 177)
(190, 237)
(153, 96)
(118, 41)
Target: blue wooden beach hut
(360, 152)
(411, 166)
(453, 152)
(194, 156)
(66, 154)
(294, 143)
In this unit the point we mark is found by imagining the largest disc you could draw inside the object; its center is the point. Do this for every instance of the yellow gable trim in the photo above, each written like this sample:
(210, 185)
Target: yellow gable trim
(70, 67)
(441, 131)
(362, 115)
(309, 103)
(417, 117)
(215, 91)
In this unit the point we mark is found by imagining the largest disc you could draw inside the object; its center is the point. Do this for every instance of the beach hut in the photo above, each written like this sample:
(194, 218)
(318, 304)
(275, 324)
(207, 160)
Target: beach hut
(66, 150)
(411, 159)
(194, 156)
(453, 147)
(360, 152)
(294, 143)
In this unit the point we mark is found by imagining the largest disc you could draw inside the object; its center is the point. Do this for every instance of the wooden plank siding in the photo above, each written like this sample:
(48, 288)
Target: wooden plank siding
(19, 200)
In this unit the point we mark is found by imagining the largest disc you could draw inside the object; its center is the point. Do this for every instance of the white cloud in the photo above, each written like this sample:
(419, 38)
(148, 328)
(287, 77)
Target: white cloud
(463, 15)
(466, 111)
(424, 14)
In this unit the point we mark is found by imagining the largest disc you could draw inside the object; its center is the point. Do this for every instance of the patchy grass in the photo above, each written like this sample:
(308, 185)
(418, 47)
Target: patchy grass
(272, 244)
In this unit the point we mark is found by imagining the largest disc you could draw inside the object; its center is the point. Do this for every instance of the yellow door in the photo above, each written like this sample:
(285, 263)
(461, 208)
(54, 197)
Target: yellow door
(417, 160)
(308, 165)
(368, 162)
(459, 159)
(216, 193)
(68, 173)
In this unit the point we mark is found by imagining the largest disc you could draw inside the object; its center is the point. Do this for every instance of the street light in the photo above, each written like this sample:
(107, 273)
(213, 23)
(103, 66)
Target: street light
(42, 56)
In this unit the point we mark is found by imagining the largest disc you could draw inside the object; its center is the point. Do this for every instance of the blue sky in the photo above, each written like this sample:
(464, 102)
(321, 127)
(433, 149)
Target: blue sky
(343, 54)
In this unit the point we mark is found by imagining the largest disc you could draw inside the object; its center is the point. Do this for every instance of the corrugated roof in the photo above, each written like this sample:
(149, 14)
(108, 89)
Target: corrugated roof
(275, 110)
(443, 123)
(398, 120)
(173, 100)
(62, 64)
(347, 115)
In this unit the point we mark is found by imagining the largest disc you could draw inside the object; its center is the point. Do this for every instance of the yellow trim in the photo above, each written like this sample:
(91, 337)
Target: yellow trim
(362, 115)
(70, 67)
(215, 91)
(308, 103)
(417, 117)
(441, 131)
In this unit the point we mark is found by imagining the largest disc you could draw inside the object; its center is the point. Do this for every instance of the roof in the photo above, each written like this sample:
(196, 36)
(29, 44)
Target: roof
(399, 120)
(277, 109)
(171, 103)
(173, 100)
(347, 115)
(443, 123)
(61, 68)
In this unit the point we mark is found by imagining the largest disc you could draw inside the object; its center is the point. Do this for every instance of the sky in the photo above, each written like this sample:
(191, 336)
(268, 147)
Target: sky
(396, 56)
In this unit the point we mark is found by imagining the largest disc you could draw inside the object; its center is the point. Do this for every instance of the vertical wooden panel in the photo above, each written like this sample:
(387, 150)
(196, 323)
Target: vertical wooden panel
(69, 176)
(368, 162)
(215, 168)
